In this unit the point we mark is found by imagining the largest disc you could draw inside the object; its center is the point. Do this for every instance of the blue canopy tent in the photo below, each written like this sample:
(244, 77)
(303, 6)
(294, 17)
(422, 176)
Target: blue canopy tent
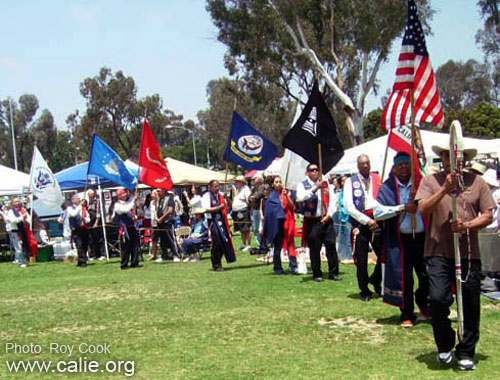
(75, 177)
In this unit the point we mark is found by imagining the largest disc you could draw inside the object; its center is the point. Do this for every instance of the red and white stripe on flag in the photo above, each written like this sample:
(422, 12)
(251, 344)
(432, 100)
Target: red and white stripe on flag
(414, 73)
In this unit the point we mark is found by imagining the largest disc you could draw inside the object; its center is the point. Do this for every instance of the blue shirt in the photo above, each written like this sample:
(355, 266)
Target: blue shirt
(405, 217)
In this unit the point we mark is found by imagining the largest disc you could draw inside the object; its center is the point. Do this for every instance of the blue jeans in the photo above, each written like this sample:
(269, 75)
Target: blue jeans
(20, 251)
(344, 241)
(255, 225)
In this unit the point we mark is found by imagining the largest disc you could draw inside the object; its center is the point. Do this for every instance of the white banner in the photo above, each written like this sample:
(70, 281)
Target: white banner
(43, 183)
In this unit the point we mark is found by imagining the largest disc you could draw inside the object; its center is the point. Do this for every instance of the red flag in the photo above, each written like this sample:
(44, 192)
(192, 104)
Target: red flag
(153, 168)
(414, 73)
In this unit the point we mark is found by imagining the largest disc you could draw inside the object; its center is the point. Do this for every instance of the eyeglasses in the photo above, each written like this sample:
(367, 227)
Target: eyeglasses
(314, 170)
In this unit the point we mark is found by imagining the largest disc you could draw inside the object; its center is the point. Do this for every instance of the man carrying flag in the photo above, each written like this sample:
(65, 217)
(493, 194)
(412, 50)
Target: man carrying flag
(216, 211)
(414, 99)
(314, 137)
(154, 171)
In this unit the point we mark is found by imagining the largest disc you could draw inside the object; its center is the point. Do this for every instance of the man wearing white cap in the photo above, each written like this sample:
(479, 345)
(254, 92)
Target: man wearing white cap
(474, 207)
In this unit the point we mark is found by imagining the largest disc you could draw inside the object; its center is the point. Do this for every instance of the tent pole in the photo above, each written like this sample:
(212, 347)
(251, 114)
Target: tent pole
(103, 218)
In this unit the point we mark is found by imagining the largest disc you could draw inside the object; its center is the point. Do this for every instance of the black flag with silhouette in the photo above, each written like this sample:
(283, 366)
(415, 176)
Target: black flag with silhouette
(315, 126)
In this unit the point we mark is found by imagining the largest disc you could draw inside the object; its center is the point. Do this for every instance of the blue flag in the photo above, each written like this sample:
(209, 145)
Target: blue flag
(247, 147)
(106, 163)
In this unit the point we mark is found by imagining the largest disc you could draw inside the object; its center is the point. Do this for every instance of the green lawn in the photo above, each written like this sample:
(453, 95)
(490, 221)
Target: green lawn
(182, 321)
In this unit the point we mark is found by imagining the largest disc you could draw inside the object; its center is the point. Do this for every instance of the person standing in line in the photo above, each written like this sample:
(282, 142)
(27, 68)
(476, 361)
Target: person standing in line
(403, 243)
(17, 218)
(318, 209)
(123, 210)
(360, 192)
(474, 211)
(216, 214)
(78, 221)
(95, 227)
(165, 215)
(256, 195)
(241, 213)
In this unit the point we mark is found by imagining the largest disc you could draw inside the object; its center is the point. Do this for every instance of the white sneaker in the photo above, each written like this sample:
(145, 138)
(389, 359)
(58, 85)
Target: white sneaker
(22, 266)
(247, 248)
(159, 260)
(466, 364)
(444, 357)
(176, 259)
(186, 259)
(102, 258)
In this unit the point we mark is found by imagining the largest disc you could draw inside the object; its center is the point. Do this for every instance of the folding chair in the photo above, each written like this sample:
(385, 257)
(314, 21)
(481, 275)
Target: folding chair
(180, 234)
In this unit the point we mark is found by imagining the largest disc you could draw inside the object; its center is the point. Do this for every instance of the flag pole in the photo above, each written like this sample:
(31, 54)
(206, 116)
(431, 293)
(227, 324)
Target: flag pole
(385, 155)
(103, 218)
(413, 157)
(321, 179)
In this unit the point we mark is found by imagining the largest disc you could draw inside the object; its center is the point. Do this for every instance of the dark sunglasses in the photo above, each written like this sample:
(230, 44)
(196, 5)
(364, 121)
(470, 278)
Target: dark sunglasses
(314, 170)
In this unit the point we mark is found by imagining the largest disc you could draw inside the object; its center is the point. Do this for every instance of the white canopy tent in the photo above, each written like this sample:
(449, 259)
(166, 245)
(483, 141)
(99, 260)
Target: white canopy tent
(13, 182)
(184, 174)
(375, 149)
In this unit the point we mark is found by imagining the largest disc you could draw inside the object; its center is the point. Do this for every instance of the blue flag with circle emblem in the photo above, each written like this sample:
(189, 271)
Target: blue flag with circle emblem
(105, 162)
(247, 147)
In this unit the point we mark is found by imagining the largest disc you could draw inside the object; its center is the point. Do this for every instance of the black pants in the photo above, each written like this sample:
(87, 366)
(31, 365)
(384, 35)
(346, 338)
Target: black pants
(278, 245)
(97, 242)
(167, 240)
(80, 238)
(317, 235)
(441, 273)
(413, 259)
(363, 240)
(130, 250)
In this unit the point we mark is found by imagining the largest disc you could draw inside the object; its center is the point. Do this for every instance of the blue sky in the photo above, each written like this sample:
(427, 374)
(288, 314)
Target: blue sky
(169, 47)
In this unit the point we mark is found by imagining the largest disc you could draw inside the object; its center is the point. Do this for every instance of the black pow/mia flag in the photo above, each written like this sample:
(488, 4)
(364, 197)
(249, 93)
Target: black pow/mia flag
(315, 126)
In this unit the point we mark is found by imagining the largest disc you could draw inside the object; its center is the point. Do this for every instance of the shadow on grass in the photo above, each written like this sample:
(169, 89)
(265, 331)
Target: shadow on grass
(250, 266)
(431, 361)
(392, 320)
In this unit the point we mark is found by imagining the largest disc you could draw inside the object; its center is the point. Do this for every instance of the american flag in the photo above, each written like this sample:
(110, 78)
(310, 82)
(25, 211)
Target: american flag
(414, 73)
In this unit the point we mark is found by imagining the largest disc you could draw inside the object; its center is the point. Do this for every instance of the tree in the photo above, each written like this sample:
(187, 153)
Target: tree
(482, 120)
(261, 106)
(489, 39)
(463, 85)
(115, 114)
(23, 112)
(287, 42)
(372, 124)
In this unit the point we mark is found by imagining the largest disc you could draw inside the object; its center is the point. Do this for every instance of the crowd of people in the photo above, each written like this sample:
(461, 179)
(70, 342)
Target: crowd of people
(405, 224)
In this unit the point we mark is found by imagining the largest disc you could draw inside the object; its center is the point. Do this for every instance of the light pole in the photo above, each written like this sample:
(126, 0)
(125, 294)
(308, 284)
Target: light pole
(192, 135)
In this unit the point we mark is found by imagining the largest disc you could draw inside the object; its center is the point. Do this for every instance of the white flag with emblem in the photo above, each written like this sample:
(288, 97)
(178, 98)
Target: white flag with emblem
(43, 183)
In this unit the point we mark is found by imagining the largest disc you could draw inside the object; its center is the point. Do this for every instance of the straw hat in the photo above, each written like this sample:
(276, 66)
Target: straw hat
(241, 178)
(198, 210)
(469, 153)
(480, 168)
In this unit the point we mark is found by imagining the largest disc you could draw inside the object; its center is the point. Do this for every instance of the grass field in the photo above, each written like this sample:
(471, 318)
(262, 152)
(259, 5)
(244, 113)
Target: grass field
(182, 321)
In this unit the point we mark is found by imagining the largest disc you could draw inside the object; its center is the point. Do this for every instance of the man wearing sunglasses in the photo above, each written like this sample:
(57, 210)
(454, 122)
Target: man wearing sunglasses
(318, 208)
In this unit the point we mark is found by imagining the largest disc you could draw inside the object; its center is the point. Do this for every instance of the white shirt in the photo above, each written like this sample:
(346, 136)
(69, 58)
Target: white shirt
(123, 207)
(240, 201)
(349, 204)
(195, 202)
(152, 213)
(13, 220)
(304, 195)
(205, 201)
(73, 211)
